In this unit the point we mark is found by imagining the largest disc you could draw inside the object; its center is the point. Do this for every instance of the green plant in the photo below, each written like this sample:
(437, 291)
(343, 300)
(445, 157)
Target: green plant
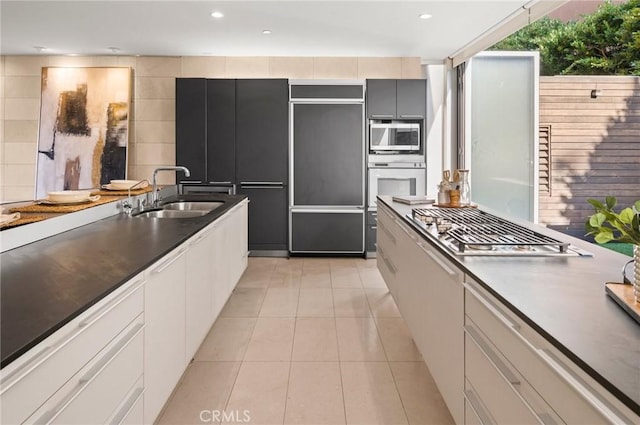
(606, 225)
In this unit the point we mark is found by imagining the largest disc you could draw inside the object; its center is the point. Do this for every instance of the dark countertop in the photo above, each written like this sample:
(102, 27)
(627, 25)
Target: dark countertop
(564, 299)
(45, 284)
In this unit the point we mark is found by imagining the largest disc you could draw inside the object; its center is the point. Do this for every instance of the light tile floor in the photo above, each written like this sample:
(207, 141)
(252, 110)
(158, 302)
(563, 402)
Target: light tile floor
(308, 341)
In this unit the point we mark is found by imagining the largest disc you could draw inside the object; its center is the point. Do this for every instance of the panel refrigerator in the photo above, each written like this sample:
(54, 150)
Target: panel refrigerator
(327, 151)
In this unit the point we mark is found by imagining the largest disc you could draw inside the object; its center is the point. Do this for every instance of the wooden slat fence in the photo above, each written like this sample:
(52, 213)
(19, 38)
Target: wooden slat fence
(589, 147)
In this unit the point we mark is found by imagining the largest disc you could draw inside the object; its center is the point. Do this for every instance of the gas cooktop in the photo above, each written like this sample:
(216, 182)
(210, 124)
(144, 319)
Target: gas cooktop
(471, 231)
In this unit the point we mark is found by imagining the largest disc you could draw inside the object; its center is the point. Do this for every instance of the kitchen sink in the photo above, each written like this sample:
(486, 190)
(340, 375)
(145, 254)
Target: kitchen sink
(173, 213)
(191, 206)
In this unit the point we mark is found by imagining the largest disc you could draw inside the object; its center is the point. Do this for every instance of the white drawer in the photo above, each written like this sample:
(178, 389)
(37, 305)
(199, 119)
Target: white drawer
(131, 410)
(29, 381)
(97, 390)
(573, 395)
(490, 385)
(472, 409)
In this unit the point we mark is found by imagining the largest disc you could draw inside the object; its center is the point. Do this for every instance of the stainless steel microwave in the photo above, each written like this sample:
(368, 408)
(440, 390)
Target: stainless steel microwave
(394, 136)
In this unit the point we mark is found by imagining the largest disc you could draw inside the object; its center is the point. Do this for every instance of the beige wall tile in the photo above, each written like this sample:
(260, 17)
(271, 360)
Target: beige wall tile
(140, 172)
(247, 67)
(155, 132)
(379, 68)
(25, 65)
(203, 67)
(17, 193)
(71, 61)
(21, 109)
(155, 110)
(290, 67)
(411, 68)
(2, 79)
(22, 87)
(20, 153)
(155, 153)
(2, 66)
(105, 61)
(21, 131)
(158, 66)
(335, 68)
(130, 61)
(19, 174)
(155, 88)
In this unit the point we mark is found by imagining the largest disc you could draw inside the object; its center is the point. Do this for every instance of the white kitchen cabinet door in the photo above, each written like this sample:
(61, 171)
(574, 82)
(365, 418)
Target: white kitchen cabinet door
(164, 342)
(199, 285)
(221, 270)
(435, 316)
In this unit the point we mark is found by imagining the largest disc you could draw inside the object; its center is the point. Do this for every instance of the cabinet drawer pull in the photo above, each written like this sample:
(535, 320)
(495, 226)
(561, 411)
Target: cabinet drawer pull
(110, 306)
(491, 355)
(15, 376)
(493, 309)
(546, 419)
(91, 374)
(405, 230)
(389, 264)
(438, 261)
(470, 396)
(199, 239)
(374, 227)
(128, 406)
(166, 263)
(603, 407)
(387, 232)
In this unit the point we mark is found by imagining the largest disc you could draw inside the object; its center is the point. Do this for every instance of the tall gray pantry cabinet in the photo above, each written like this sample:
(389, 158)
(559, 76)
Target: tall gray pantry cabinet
(236, 132)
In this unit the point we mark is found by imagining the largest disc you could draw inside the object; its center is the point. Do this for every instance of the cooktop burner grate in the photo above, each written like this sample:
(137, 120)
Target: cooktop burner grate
(475, 229)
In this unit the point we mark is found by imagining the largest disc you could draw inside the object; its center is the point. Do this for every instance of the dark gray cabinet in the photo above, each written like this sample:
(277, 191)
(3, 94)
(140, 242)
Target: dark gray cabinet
(268, 221)
(221, 130)
(325, 232)
(236, 131)
(191, 131)
(262, 140)
(396, 99)
(328, 163)
(371, 231)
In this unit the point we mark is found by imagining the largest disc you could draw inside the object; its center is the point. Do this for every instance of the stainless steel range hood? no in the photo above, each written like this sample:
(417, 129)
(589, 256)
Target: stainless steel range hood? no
(471, 231)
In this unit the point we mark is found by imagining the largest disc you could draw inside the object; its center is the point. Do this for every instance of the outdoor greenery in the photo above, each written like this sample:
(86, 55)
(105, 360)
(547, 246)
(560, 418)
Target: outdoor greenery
(606, 42)
(606, 225)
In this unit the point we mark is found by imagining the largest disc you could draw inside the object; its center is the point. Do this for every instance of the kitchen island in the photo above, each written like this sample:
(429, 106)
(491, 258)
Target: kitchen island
(86, 301)
(553, 309)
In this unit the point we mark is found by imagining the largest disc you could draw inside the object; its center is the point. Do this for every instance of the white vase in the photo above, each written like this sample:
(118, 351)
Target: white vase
(636, 272)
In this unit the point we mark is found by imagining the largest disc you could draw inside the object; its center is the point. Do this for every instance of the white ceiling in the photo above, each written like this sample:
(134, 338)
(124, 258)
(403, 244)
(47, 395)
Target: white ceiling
(299, 28)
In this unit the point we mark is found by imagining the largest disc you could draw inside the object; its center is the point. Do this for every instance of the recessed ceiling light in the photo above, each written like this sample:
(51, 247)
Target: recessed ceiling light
(266, 32)
(40, 49)
(73, 54)
(424, 16)
(216, 14)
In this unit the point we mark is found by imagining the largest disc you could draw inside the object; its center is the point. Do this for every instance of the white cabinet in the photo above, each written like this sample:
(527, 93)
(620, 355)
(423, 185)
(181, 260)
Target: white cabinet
(164, 343)
(82, 371)
(504, 355)
(199, 287)
(434, 312)
(429, 294)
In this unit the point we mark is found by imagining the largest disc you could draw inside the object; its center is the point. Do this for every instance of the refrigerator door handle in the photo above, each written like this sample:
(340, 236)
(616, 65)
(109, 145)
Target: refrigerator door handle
(261, 183)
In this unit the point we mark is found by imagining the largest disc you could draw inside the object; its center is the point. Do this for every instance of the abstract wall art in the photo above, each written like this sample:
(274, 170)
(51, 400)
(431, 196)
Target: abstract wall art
(83, 129)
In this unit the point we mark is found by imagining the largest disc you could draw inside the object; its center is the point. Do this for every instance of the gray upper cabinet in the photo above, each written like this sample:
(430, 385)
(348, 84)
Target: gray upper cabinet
(411, 100)
(381, 99)
(396, 99)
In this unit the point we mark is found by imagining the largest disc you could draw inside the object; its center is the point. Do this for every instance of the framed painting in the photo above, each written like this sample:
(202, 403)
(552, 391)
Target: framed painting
(84, 128)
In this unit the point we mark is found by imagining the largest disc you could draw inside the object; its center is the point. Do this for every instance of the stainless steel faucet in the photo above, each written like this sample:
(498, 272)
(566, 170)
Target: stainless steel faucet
(127, 205)
(154, 194)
